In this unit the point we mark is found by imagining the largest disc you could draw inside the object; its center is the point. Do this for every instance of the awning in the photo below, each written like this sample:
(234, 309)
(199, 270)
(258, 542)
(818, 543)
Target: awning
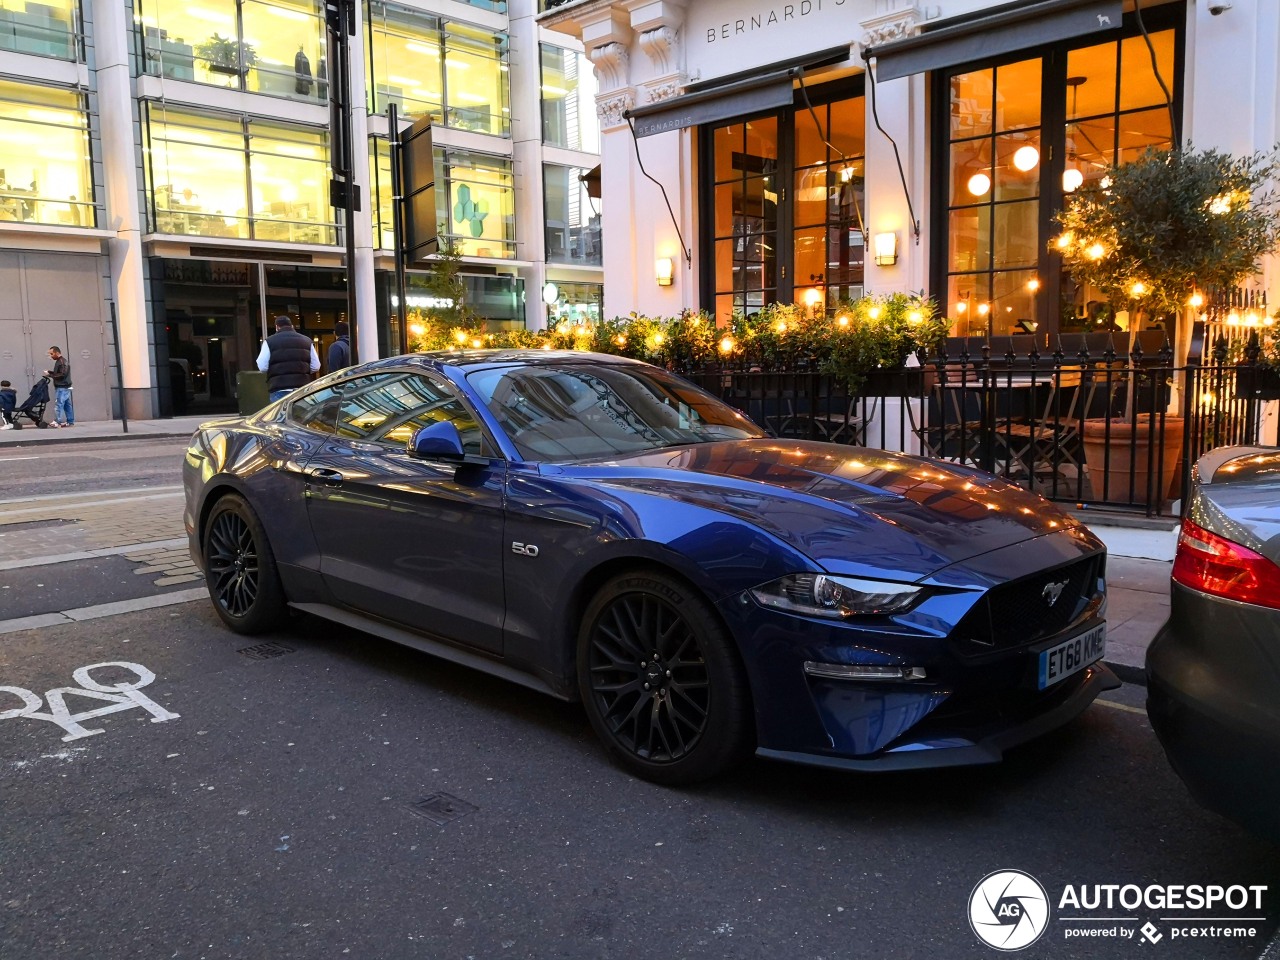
(591, 180)
(734, 96)
(1001, 30)
(767, 92)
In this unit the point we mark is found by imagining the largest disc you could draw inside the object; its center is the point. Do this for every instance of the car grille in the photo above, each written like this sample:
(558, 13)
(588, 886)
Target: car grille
(1019, 612)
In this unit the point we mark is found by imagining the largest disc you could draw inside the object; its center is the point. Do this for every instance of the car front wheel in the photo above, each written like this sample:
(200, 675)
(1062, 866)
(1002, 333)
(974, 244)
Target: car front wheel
(661, 680)
(240, 569)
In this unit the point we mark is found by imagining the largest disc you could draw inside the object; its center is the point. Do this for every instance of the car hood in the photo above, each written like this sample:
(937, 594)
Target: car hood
(852, 510)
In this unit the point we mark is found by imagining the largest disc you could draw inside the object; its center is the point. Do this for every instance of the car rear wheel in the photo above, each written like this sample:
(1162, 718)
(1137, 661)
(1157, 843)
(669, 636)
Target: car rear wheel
(663, 685)
(240, 568)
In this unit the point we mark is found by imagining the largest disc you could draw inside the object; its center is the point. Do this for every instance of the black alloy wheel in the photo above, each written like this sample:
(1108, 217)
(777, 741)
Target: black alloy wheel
(240, 569)
(661, 681)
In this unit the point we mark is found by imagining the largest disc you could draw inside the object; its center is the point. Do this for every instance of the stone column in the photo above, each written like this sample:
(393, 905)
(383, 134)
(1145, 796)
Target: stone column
(116, 107)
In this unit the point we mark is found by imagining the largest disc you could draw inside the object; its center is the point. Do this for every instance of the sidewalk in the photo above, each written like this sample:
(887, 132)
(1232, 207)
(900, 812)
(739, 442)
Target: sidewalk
(1138, 567)
(96, 430)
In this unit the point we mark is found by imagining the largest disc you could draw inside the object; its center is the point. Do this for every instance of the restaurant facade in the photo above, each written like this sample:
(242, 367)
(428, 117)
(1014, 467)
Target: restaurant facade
(803, 152)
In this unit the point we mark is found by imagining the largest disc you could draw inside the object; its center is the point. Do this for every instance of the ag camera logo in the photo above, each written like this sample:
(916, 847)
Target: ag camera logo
(1008, 910)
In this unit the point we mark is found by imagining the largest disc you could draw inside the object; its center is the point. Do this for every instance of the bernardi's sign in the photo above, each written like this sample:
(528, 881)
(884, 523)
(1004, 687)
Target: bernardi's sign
(724, 35)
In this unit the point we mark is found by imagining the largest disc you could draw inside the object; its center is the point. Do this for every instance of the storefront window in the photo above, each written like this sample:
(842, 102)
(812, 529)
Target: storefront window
(573, 303)
(382, 194)
(274, 47)
(745, 220)
(217, 176)
(1009, 170)
(46, 29)
(454, 73)
(572, 218)
(569, 100)
(830, 197)
(45, 170)
(475, 196)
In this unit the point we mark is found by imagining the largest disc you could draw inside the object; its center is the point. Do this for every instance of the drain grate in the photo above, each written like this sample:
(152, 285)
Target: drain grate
(265, 651)
(441, 808)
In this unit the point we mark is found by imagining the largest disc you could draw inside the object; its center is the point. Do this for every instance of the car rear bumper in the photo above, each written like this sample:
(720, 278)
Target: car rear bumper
(1213, 696)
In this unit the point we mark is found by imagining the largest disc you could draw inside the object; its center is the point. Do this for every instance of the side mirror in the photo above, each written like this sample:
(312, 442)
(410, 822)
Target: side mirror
(439, 441)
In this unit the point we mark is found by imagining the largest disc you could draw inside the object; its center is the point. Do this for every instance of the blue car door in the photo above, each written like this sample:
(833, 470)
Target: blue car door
(405, 539)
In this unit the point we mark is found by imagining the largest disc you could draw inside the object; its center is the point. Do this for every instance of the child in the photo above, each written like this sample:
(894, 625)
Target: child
(8, 402)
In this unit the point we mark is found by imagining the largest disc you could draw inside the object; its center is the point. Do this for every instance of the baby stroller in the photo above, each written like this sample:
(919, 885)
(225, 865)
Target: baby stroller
(33, 407)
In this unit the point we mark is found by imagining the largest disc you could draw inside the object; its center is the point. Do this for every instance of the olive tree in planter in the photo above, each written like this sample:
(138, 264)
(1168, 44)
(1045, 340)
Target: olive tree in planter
(1148, 235)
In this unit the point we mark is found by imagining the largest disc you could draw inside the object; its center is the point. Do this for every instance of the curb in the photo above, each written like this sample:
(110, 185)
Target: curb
(88, 438)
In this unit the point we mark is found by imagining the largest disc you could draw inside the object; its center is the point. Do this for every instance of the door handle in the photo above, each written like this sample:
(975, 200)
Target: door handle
(329, 478)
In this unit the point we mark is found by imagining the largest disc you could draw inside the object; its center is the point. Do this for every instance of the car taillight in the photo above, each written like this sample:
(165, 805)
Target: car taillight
(1216, 565)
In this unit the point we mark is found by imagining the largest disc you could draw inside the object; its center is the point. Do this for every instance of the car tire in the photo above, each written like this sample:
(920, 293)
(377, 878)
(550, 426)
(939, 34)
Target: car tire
(681, 718)
(240, 568)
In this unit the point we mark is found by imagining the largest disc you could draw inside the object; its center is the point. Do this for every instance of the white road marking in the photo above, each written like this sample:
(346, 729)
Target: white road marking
(1121, 706)
(102, 610)
(12, 459)
(120, 696)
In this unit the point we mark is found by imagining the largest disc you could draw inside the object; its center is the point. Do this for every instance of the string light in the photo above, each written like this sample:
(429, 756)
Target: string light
(727, 345)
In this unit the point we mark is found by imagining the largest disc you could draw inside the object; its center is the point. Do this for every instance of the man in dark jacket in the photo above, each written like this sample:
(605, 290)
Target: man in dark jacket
(8, 403)
(340, 349)
(64, 414)
(288, 358)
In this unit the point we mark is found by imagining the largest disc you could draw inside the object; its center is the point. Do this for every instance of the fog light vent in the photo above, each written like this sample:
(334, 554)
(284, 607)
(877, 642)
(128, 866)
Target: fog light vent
(862, 671)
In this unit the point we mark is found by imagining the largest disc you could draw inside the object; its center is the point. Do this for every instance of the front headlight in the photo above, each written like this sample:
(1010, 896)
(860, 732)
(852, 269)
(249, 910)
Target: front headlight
(822, 595)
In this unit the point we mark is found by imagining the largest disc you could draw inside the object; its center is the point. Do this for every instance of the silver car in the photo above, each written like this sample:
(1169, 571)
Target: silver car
(1213, 671)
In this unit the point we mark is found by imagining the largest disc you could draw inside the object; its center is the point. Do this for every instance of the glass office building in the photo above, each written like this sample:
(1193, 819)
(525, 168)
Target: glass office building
(166, 168)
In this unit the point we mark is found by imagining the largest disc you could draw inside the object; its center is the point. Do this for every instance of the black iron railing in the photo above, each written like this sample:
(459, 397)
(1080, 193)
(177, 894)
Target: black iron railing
(1089, 425)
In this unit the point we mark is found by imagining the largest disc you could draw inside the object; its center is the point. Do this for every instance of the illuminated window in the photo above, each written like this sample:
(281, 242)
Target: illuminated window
(569, 100)
(46, 29)
(274, 47)
(475, 201)
(572, 217)
(475, 196)
(456, 74)
(1020, 138)
(45, 170)
(218, 176)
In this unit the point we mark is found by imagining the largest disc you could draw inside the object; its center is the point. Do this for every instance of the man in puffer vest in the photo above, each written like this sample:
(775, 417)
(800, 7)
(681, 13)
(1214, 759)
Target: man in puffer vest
(288, 358)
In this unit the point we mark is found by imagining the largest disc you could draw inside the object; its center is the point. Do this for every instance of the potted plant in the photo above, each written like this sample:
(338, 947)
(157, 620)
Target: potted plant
(227, 55)
(1148, 235)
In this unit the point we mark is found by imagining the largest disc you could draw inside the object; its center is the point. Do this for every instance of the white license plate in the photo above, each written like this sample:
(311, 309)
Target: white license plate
(1071, 656)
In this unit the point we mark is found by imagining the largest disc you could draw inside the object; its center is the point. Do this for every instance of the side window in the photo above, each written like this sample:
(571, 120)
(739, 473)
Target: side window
(318, 410)
(390, 407)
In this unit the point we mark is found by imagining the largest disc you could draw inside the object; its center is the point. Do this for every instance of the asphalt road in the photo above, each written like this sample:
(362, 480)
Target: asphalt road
(275, 817)
(48, 468)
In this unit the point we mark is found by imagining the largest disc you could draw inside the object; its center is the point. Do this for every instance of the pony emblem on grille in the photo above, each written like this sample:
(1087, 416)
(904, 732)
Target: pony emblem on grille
(1052, 591)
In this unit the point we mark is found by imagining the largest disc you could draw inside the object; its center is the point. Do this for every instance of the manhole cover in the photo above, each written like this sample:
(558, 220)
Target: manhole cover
(441, 808)
(265, 651)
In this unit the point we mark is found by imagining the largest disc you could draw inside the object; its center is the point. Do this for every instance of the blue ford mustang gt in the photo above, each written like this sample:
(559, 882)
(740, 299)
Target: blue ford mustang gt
(599, 529)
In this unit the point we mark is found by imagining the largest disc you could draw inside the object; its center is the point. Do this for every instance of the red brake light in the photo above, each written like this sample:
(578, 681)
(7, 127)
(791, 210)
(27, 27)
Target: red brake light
(1216, 565)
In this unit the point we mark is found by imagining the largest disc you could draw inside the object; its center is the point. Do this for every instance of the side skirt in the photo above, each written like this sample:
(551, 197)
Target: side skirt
(435, 648)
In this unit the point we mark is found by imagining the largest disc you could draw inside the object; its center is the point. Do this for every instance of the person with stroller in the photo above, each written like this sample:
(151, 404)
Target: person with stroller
(64, 414)
(8, 403)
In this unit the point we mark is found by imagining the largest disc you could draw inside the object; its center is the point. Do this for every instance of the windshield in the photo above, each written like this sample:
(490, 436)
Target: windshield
(581, 411)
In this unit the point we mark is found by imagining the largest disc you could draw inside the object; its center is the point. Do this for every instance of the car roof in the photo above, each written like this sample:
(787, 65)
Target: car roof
(486, 359)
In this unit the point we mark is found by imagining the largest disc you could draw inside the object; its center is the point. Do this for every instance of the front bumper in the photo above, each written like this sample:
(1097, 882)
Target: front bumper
(966, 710)
(1213, 696)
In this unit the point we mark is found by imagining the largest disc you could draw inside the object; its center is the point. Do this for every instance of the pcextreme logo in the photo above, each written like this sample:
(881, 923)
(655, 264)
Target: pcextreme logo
(1009, 910)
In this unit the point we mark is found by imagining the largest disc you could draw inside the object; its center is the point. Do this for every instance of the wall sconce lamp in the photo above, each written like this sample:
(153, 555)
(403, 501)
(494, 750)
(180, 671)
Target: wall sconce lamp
(886, 249)
(664, 271)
